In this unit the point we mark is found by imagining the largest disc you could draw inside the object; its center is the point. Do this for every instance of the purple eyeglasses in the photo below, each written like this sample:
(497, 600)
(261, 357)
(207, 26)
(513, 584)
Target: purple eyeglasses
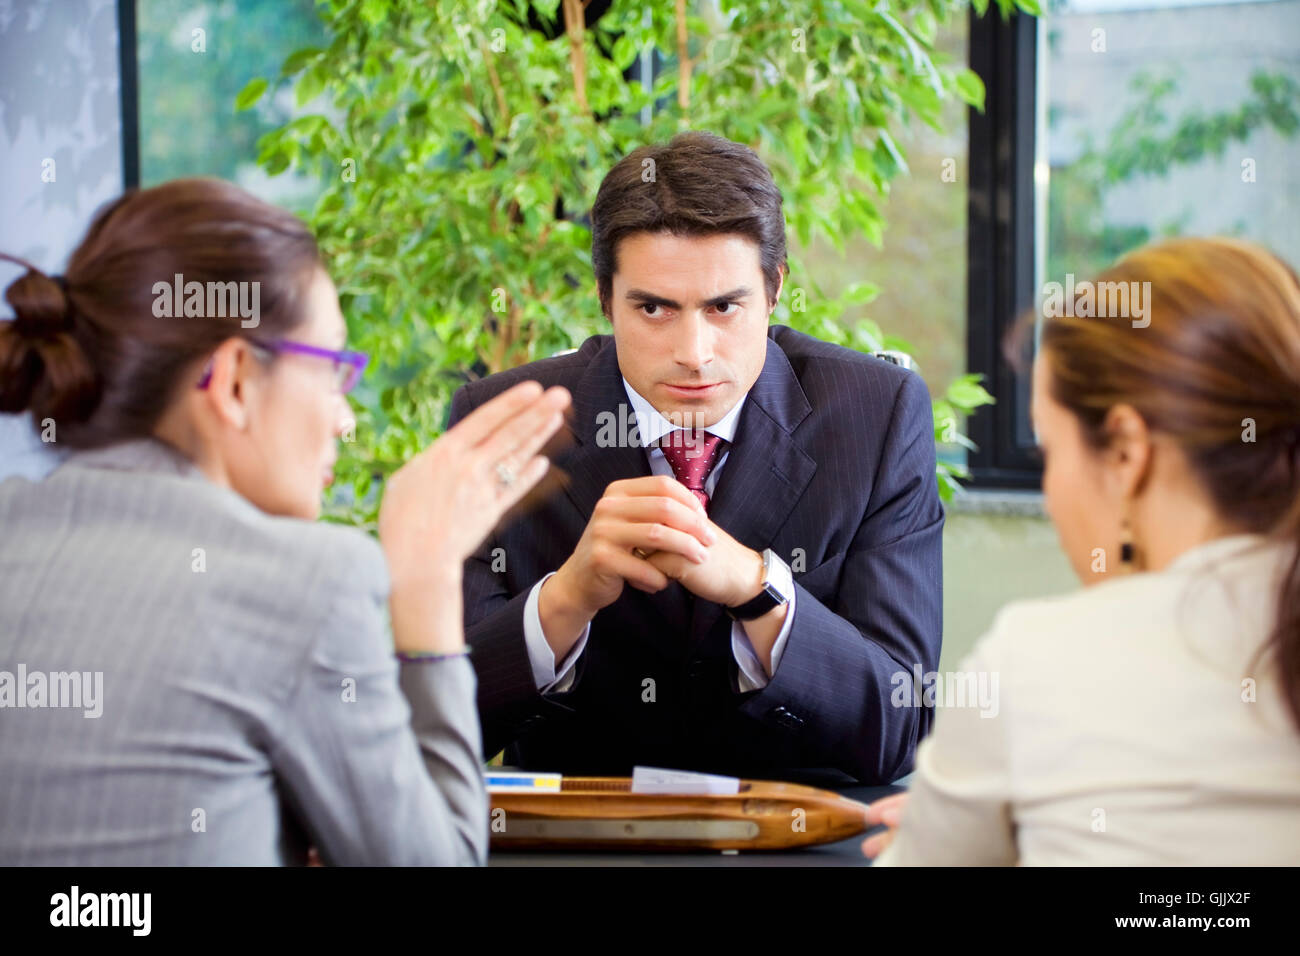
(348, 366)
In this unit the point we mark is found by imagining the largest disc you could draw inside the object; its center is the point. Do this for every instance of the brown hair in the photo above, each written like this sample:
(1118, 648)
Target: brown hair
(1219, 357)
(86, 349)
(696, 185)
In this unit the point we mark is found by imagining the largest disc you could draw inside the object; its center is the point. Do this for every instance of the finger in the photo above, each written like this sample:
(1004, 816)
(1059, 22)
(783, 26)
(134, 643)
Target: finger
(655, 486)
(672, 565)
(665, 511)
(511, 494)
(875, 845)
(876, 808)
(528, 430)
(654, 537)
(640, 574)
(890, 800)
(485, 419)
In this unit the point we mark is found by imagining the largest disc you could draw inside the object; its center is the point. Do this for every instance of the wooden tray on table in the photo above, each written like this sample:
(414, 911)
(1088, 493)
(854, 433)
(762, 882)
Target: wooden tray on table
(589, 813)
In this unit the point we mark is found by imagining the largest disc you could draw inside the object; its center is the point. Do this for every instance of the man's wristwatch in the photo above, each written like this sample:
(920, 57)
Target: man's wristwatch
(777, 584)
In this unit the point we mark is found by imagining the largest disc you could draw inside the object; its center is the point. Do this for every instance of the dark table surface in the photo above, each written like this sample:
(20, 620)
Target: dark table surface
(844, 853)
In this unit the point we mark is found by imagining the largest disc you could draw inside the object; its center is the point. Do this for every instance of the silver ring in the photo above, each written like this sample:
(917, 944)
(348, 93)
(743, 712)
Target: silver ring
(505, 475)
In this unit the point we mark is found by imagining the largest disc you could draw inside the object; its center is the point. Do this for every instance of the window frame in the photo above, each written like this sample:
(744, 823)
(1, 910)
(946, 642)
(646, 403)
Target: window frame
(129, 91)
(1001, 266)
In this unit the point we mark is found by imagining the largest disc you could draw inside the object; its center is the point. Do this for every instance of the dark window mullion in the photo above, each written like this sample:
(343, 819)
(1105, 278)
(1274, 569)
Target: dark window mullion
(130, 93)
(1001, 242)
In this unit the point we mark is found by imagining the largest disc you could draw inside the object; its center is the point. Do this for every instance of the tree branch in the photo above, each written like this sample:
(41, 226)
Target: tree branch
(496, 88)
(575, 25)
(683, 60)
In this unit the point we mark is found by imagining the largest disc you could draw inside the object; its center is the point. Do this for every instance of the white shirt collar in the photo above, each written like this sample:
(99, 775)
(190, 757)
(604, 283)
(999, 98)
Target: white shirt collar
(652, 426)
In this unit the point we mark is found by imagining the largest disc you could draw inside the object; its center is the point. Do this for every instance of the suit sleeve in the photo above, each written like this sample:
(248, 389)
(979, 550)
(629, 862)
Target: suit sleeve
(834, 690)
(494, 630)
(381, 760)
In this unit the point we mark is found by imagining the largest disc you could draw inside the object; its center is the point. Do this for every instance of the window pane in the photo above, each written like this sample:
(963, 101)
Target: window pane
(193, 61)
(1165, 118)
(921, 264)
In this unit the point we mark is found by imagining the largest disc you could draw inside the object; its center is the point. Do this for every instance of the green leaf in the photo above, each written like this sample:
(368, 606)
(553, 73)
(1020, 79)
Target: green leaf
(374, 11)
(310, 85)
(626, 49)
(967, 393)
(888, 158)
(860, 293)
(298, 59)
(251, 93)
(971, 88)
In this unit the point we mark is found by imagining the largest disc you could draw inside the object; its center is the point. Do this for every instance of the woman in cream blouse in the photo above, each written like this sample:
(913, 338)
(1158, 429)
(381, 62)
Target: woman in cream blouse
(1154, 716)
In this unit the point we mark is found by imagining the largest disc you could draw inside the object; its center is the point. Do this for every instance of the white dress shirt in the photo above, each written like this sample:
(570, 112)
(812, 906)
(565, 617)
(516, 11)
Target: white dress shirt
(1133, 726)
(651, 426)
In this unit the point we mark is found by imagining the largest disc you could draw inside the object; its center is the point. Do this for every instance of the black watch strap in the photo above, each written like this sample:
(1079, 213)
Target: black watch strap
(765, 600)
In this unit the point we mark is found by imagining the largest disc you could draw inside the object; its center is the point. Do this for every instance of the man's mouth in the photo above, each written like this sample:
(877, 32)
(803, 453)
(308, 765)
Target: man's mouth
(696, 390)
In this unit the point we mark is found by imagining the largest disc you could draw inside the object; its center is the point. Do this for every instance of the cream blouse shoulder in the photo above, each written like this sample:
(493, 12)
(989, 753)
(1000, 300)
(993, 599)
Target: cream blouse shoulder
(1132, 723)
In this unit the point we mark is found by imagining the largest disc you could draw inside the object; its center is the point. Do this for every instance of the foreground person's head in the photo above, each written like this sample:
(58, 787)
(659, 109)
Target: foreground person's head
(1176, 419)
(188, 313)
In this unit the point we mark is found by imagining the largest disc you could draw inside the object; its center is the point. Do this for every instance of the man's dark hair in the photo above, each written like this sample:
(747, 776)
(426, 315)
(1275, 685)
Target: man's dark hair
(698, 184)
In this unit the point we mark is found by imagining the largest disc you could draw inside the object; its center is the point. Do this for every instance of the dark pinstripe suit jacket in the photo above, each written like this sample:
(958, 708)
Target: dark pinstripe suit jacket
(832, 468)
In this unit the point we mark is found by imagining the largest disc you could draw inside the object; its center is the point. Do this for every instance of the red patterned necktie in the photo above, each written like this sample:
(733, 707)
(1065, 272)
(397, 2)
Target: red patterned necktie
(692, 456)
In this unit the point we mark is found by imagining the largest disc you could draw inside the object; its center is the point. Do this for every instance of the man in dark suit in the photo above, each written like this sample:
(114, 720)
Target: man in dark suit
(743, 571)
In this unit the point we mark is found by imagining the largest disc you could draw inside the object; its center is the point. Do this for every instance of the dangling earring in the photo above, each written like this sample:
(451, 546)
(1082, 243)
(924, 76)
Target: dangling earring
(1126, 549)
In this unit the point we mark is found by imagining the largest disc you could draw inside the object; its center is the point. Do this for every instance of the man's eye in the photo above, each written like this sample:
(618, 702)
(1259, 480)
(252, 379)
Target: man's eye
(651, 308)
(727, 308)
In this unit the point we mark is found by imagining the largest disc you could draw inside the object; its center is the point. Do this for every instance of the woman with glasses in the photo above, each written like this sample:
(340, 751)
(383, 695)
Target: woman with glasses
(192, 670)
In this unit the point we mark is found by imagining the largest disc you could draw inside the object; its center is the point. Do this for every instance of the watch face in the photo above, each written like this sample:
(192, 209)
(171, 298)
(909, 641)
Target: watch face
(775, 570)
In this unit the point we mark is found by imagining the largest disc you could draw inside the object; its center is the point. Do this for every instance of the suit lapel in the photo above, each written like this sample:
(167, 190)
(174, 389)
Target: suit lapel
(601, 411)
(766, 471)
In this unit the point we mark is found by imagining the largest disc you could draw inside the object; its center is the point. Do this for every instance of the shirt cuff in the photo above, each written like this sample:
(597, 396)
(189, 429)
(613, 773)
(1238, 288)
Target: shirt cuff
(752, 675)
(540, 654)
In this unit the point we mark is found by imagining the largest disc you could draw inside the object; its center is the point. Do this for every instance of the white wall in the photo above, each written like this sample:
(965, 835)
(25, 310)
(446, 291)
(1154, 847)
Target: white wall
(59, 103)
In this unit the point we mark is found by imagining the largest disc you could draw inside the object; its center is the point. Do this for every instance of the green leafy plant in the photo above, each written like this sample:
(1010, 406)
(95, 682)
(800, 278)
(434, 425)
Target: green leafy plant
(462, 144)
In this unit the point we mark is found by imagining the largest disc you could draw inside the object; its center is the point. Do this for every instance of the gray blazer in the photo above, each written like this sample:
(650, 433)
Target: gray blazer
(247, 694)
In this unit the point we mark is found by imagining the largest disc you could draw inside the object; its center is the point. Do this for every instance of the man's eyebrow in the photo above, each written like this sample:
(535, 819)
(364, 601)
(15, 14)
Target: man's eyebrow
(642, 296)
(741, 292)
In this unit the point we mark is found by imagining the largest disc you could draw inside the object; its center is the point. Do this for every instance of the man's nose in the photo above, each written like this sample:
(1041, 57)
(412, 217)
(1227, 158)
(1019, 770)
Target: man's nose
(694, 343)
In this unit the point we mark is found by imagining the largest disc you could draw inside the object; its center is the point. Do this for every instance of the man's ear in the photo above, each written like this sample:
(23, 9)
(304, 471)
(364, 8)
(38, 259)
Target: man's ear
(780, 284)
(228, 388)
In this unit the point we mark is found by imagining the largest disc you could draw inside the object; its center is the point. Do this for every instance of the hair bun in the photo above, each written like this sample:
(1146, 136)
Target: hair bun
(41, 306)
(43, 367)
